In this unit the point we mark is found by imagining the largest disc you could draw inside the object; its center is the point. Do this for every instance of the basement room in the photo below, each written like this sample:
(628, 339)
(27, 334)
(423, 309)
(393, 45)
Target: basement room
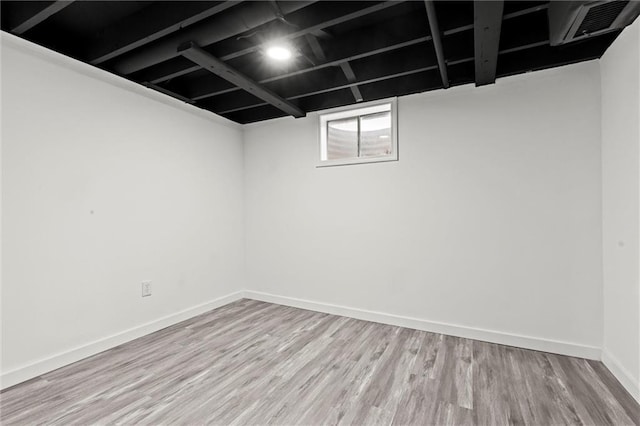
(323, 212)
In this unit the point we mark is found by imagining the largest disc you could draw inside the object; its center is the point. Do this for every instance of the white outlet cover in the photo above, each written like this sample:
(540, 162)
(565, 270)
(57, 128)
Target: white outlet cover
(146, 288)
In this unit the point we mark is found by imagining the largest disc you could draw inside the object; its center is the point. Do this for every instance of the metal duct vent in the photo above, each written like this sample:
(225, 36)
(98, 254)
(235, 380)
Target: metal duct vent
(574, 20)
(601, 17)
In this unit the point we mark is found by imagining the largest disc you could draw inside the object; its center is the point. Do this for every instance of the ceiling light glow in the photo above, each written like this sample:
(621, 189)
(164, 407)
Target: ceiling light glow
(279, 53)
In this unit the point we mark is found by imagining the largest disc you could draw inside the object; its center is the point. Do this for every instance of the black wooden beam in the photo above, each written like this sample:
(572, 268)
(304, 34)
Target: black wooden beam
(37, 13)
(506, 16)
(169, 71)
(383, 78)
(331, 63)
(248, 17)
(201, 57)
(244, 17)
(345, 66)
(338, 13)
(437, 41)
(334, 88)
(149, 24)
(350, 57)
(351, 78)
(487, 23)
(317, 50)
(323, 19)
(547, 56)
(168, 92)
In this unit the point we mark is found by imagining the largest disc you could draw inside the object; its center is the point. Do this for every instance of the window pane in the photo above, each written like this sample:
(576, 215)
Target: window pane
(375, 134)
(342, 138)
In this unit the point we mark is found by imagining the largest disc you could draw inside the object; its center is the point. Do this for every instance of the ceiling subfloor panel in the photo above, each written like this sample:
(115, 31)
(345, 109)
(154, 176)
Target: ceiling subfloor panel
(458, 46)
(396, 61)
(405, 85)
(309, 82)
(379, 18)
(261, 113)
(452, 15)
(553, 56)
(199, 86)
(86, 18)
(230, 101)
(462, 73)
(524, 30)
(317, 102)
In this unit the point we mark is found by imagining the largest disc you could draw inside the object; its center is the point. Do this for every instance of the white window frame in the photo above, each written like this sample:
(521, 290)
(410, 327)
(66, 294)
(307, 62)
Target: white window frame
(356, 111)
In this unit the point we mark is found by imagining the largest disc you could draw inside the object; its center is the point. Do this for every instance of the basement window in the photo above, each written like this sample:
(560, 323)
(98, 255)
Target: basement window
(364, 134)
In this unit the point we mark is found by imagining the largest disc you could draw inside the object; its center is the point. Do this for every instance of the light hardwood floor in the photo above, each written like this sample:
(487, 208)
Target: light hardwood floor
(258, 363)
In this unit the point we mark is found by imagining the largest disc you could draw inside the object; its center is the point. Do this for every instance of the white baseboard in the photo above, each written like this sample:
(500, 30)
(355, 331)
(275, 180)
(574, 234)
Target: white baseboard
(53, 362)
(527, 342)
(622, 374)
(35, 369)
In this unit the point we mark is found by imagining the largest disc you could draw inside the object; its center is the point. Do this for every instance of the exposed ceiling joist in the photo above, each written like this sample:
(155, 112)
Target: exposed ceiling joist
(237, 20)
(317, 23)
(506, 16)
(169, 71)
(547, 56)
(150, 24)
(524, 47)
(37, 14)
(437, 41)
(351, 78)
(487, 23)
(345, 66)
(168, 92)
(334, 88)
(355, 49)
(526, 11)
(276, 7)
(199, 56)
(317, 50)
(330, 63)
(385, 77)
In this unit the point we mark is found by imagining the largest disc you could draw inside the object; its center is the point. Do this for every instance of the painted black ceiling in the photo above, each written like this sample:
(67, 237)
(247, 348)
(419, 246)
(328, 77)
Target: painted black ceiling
(345, 51)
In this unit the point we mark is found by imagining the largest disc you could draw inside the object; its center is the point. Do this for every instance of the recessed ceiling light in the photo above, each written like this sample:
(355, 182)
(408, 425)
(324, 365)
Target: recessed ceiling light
(279, 53)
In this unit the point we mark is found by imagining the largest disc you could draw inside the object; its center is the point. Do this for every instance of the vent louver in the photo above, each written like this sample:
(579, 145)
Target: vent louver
(575, 20)
(601, 17)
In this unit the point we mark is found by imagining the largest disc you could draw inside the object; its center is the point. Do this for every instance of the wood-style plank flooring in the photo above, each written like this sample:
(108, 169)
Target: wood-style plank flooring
(252, 363)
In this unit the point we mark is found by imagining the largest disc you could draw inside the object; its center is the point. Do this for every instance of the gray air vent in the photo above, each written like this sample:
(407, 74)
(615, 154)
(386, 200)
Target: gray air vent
(575, 20)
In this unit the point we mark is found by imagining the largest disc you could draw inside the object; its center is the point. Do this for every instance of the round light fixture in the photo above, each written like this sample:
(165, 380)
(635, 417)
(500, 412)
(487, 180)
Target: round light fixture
(279, 53)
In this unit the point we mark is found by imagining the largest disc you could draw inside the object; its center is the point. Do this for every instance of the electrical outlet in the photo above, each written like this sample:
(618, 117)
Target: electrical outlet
(146, 288)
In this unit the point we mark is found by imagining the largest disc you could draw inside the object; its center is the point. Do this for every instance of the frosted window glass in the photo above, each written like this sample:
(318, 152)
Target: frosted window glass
(375, 134)
(342, 138)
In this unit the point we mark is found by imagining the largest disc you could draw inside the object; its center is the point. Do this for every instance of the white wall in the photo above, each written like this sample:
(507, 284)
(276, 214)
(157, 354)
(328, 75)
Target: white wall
(489, 226)
(106, 184)
(490, 220)
(621, 213)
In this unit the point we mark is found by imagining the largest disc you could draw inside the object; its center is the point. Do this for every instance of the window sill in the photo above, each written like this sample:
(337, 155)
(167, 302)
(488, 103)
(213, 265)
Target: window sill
(353, 161)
